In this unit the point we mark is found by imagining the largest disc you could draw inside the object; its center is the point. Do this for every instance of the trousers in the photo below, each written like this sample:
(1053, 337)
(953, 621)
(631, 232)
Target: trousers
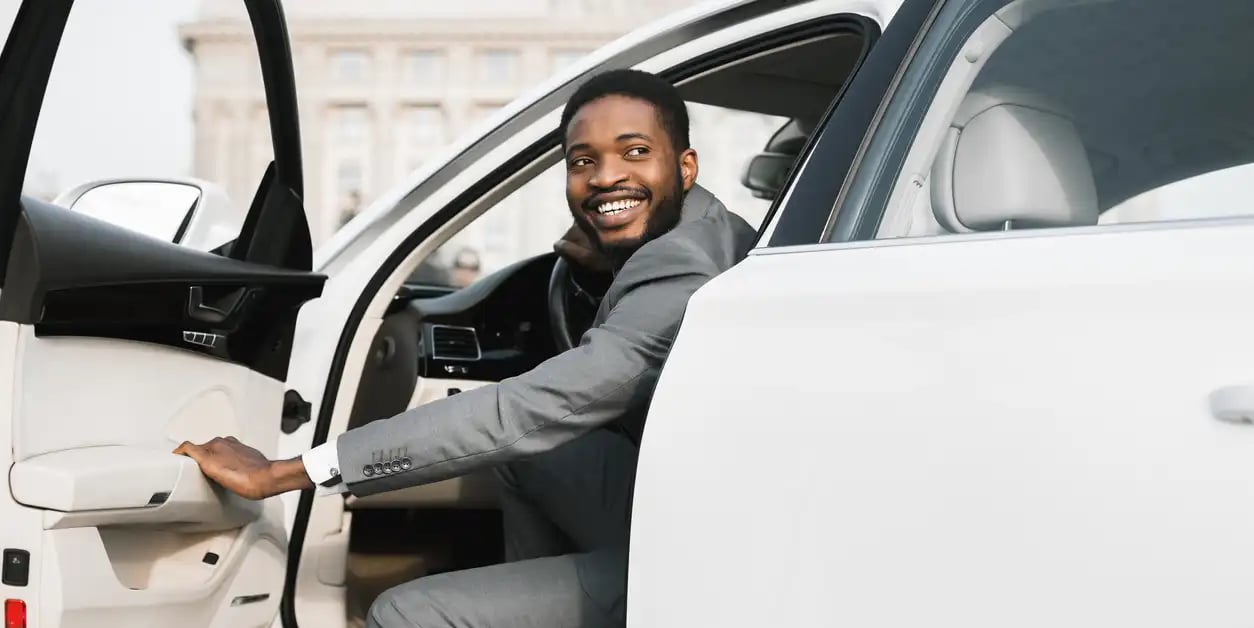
(566, 516)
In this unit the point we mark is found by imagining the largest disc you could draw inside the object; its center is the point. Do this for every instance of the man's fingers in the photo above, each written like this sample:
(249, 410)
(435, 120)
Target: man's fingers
(194, 452)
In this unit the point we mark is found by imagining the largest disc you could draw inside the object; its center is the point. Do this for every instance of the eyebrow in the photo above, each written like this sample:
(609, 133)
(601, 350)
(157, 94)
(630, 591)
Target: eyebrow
(621, 138)
(633, 136)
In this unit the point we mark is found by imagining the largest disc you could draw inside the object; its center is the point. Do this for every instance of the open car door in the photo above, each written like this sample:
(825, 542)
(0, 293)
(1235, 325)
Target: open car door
(115, 347)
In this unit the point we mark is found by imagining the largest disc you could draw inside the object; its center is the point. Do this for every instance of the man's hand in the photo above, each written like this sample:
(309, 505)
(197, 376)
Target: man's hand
(244, 470)
(581, 252)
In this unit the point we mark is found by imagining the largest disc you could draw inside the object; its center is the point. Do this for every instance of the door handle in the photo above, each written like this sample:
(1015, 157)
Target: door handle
(213, 310)
(296, 412)
(1233, 404)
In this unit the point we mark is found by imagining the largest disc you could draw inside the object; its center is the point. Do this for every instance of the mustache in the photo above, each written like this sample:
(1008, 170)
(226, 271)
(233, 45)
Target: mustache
(590, 203)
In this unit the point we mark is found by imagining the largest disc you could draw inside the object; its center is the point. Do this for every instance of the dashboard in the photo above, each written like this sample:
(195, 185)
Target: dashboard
(496, 328)
(493, 329)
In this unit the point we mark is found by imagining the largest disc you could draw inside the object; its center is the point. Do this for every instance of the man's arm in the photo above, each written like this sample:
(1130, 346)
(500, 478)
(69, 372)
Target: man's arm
(610, 373)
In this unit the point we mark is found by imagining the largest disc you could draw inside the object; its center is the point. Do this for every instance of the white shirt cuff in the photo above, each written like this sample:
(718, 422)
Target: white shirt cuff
(322, 463)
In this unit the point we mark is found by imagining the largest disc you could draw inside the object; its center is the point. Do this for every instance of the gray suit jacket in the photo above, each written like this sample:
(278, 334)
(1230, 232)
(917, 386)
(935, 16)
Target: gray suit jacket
(608, 378)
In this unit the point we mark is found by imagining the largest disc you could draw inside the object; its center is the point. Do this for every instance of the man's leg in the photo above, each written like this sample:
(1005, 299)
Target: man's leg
(572, 591)
(576, 498)
(528, 532)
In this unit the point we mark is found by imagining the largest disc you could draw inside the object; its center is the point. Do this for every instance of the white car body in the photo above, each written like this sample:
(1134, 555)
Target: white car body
(899, 425)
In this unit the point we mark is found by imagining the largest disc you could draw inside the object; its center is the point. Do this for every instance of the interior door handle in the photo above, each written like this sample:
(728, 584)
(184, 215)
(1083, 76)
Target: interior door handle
(1233, 404)
(213, 310)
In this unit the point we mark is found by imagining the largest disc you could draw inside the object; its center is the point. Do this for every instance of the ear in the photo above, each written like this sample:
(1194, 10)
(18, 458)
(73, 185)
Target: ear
(688, 168)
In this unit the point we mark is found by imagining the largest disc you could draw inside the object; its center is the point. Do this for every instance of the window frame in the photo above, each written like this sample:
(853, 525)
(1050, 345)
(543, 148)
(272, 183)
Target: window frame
(800, 214)
(26, 65)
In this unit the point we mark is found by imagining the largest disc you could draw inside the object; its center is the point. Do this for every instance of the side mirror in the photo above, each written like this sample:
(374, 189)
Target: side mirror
(767, 173)
(193, 213)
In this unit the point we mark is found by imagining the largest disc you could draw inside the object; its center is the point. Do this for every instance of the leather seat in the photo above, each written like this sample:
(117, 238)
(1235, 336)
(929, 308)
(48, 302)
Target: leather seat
(1012, 159)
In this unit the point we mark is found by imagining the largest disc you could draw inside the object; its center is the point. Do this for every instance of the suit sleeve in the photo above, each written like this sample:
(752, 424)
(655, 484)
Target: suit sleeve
(611, 372)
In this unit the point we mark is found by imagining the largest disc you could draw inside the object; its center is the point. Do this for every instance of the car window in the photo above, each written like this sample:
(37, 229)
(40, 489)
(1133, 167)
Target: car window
(1040, 114)
(121, 105)
(530, 219)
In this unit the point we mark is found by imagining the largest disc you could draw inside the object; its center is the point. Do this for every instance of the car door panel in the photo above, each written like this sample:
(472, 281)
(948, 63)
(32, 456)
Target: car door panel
(138, 577)
(114, 348)
(86, 392)
(979, 425)
(95, 421)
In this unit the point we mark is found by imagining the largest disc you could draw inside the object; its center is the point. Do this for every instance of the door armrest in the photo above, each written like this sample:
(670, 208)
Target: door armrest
(118, 484)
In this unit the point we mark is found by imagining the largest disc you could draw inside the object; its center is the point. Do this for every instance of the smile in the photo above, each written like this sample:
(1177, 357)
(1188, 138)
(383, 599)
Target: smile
(614, 207)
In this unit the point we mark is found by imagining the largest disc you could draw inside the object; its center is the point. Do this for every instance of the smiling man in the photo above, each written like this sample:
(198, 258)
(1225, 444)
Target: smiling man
(563, 438)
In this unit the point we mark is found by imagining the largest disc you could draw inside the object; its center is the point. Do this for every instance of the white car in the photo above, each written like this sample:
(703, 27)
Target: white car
(988, 365)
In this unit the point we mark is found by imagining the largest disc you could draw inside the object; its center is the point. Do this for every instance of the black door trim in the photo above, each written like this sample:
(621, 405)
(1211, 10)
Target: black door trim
(274, 49)
(25, 66)
(840, 141)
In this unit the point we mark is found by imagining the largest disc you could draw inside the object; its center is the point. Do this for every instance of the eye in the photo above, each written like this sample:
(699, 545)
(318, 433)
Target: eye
(637, 151)
(579, 162)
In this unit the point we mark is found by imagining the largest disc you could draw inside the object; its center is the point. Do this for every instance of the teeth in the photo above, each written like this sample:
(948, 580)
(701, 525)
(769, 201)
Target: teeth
(615, 207)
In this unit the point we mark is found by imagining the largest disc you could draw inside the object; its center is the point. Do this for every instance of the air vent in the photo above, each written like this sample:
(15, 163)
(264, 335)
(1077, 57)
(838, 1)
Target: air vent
(454, 343)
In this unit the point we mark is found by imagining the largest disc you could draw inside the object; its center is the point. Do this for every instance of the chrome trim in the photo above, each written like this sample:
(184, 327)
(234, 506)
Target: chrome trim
(1224, 222)
(202, 339)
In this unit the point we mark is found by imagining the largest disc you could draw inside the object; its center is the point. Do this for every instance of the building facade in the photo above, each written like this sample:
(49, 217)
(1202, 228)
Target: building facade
(383, 84)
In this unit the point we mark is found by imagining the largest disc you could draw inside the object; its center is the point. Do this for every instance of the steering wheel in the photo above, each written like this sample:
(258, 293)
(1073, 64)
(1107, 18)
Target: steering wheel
(569, 304)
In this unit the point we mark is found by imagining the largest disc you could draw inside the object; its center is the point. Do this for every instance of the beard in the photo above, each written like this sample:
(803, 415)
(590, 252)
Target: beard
(664, 217)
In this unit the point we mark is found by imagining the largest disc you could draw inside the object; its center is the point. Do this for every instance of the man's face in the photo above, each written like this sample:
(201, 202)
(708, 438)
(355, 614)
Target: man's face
(624, 183)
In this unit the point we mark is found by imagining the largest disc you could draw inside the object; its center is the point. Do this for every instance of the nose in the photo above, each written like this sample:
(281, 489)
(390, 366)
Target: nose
(608, 173)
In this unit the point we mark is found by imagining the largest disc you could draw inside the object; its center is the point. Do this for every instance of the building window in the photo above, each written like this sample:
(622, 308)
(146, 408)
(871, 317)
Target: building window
(424, 126)
(498, 67)
(348, 178)
(350, 66)
(349, 181)
(563, 58)
(351, 124)
(425, 68)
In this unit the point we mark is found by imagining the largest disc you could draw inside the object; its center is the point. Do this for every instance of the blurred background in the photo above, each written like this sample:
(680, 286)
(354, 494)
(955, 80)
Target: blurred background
(172, 88)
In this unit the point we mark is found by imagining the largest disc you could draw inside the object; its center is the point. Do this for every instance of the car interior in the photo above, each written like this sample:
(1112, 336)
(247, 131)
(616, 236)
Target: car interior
(1059, 124)
(437, 341)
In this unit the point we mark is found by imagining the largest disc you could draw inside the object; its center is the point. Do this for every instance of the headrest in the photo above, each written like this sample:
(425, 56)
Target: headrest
(1012, 156)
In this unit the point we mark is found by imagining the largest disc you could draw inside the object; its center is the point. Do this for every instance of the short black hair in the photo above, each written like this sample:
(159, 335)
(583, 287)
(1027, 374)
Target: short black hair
(651, 88)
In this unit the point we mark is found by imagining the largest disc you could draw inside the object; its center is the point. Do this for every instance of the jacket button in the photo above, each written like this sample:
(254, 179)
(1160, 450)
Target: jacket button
(406, 463)
(378, 468)
(367, 470)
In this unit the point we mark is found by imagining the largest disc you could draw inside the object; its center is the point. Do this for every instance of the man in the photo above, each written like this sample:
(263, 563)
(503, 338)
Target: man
(563, 437)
